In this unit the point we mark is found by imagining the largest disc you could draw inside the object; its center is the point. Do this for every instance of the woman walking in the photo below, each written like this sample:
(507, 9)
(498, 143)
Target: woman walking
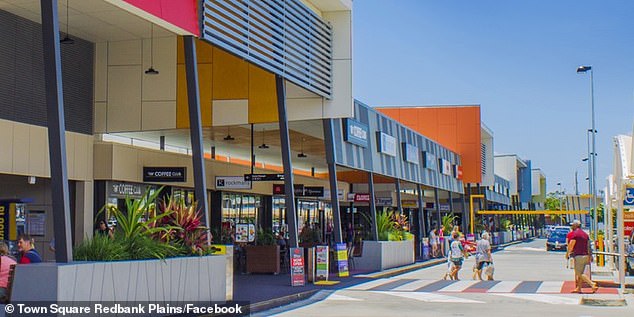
(456, 255)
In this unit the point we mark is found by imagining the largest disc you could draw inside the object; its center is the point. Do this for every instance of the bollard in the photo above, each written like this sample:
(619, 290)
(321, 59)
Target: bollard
(601, 248)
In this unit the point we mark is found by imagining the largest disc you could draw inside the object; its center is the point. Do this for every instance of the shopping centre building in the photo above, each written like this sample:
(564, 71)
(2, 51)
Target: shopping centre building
(245, 107)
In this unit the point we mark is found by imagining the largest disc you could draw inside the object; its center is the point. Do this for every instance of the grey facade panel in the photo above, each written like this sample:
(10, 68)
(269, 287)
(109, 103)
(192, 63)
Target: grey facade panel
(22, 95)
(370, 159)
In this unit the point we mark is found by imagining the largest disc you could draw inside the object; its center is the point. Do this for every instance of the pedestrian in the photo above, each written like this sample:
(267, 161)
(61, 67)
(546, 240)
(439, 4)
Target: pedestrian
(28, 254)
(433, 241)
(578, 248)
(456, 255)
(570, 261)
(103, 230)
(484, 259)
(5, 265)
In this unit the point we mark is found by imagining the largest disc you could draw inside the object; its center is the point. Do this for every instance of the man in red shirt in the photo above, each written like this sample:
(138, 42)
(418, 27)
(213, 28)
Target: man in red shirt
(575, 225)
(28, 254)
(578, 248)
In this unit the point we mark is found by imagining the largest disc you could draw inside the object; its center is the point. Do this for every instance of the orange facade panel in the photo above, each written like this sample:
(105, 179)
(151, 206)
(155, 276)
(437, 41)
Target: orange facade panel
(455, 127)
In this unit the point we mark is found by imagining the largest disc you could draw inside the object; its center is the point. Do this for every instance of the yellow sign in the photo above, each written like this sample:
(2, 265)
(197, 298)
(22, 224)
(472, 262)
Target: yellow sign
(218, 249)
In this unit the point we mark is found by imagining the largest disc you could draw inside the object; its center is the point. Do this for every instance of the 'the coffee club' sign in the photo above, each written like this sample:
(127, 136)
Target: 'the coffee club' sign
(164, 174)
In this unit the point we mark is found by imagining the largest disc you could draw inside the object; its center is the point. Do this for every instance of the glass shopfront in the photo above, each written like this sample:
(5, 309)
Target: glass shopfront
(310, 212)
(240, 209)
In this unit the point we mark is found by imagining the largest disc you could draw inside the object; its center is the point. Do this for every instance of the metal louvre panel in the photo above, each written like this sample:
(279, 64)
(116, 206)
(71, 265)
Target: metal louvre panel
(281, 36)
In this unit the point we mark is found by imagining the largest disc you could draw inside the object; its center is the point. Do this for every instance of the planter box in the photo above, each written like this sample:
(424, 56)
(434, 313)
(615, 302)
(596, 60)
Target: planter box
(175, 279)
(263, 259)
(381, 255)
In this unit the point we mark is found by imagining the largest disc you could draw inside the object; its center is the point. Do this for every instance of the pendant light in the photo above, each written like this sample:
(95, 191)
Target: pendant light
(228, 137)
(301, 154)
(151, 70)
(263, 145)
(67, 39)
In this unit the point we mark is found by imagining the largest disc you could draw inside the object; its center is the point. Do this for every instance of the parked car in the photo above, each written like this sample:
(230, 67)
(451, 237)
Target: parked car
(557, 240)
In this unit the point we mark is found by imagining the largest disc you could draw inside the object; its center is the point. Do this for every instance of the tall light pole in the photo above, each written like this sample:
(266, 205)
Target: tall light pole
(593, 154)
(561, 201)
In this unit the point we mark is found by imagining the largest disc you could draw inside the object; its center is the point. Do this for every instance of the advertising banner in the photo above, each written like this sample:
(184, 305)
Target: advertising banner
(410, 153)
(297, 267)
(342, 259)
(232, 182)
(321, 259)
(245, 232)
(430, 161)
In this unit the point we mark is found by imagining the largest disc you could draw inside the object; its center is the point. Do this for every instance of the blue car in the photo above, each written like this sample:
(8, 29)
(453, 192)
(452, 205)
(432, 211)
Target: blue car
(557, 240)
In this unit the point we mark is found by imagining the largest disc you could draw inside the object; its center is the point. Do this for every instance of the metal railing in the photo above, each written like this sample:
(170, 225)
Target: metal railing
(282, 36)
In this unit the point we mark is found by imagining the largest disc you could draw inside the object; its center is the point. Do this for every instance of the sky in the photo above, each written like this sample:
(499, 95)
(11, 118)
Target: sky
(518, 60)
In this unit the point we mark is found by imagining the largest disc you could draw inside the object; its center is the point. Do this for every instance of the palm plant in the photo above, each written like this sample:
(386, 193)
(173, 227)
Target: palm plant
(447, 222)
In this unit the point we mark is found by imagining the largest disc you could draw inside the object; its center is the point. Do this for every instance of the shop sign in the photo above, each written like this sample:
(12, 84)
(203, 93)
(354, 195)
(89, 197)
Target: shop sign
(297, 267)
(339, 194)
(4, 221)
(410, 153)
(384, 201)
(355, 132)
(409, 203)
(36, 222)
(342, 259)
(445, 167)
(313, 191)
(387, 143)
(263, 177)
(628, 223)
(429, 205)
(430, 161)
(628, 201)
(444, 207)
(457, 171)
(321, 263)
(164, 174)
(122, 190)
(232, 182)
(278, 189)
(361, 198)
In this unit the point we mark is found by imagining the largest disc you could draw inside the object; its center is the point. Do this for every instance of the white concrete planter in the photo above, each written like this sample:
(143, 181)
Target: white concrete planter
(381, 255)
(207, 278)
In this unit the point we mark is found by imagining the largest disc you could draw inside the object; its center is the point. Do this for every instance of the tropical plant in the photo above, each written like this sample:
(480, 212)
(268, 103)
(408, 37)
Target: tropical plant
(391, 226)
(265, 237)
(182, 226)
(505, 224)
(100, 248)
(222, 235)
(447, 222)
(310, 235)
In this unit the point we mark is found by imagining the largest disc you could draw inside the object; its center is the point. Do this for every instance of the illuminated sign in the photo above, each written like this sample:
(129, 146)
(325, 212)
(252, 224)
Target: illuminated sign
(355, 132)
(387, 143)
(628, 201)
(410, 153)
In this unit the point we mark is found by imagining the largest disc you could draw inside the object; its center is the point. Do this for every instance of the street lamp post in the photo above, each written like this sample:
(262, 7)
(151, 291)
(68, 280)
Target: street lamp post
(593, 153)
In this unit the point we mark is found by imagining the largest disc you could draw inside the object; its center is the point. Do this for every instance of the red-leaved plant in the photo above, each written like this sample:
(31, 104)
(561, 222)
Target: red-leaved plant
(185, 226)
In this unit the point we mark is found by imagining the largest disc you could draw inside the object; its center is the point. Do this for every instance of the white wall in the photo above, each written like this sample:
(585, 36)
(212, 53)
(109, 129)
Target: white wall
(505, 166)
(127, 99)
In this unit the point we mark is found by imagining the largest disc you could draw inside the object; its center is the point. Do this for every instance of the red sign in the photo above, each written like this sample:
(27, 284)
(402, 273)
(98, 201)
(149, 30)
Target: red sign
(459, 174)
(297, 267)
(361, 198)
(628, 227)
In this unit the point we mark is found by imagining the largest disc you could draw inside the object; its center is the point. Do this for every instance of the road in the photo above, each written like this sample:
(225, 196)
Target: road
(529, 282)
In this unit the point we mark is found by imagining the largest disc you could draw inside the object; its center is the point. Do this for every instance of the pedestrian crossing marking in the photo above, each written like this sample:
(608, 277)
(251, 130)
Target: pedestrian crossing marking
(550, 287)
(473, 286)
(412, 286)
(458, 286)
(431, 297)
(368, 285)
(543, 298)
(504, 287)
(342, 298)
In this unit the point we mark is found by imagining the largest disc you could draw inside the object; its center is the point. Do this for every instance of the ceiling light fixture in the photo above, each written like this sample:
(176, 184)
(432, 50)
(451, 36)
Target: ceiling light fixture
(67, 39)
(263, 145)
(151, 70)
(228, 137)
(301, 154)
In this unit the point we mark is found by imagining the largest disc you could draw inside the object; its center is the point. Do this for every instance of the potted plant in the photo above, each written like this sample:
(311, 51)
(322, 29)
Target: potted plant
(395, 246)
(264, 256)
(309, 237)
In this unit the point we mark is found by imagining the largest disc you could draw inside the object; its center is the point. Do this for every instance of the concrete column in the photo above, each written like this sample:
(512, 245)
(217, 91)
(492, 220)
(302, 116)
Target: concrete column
(372, 205)
(84, 215)
(332, 176)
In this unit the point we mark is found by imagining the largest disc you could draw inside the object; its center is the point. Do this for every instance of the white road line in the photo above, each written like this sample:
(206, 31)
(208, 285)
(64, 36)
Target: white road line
(414, 285)
(431, 297)
(342, 298)
(548, 299)
(550, 287)
(368, 285)
(504, 287)
(458, 286)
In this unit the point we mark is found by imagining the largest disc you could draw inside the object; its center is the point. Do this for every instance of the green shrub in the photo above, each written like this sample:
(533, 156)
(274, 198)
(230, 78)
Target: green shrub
(265, 237)
(100, 248)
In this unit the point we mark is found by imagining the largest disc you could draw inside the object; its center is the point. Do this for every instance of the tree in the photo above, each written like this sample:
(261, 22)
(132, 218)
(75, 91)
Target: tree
(552, 201)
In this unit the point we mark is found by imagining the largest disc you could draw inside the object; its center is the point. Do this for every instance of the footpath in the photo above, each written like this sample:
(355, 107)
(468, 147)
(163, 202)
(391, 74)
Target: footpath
(265, 291)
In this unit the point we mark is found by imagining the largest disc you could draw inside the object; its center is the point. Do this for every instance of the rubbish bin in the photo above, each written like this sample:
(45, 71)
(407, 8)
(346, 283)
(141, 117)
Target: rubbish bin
(425, 252)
